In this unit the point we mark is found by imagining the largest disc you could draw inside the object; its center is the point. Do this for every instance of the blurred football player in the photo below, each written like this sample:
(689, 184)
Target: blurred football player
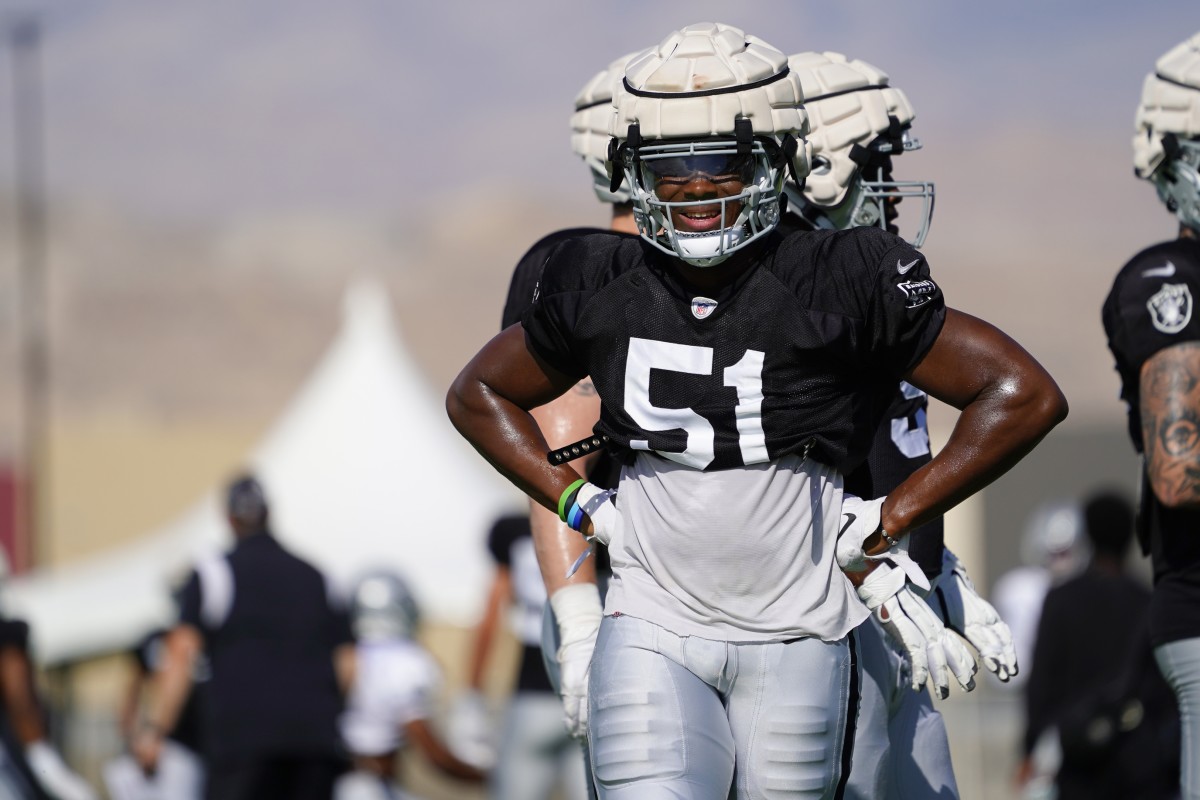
(575, 587)
(859, 123)
(734, 367)
(392, 699)
(536, 754)
(179, 774)
(31, 768)
(1154, 336)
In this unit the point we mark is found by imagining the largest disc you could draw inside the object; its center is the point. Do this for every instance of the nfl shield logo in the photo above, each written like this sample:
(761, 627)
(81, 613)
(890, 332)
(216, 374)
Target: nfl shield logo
(702, 307)
(1171, 307)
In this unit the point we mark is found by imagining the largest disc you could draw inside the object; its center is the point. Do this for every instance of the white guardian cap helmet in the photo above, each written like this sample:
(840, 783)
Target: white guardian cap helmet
(591, 128)
(1166, 141)
(858, 123)
(706, 125)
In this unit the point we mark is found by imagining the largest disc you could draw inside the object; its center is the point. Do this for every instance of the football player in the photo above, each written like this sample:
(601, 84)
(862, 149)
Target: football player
(1154, 336)
(829, 75)
(734, 367)
(392, 699)
(536, 753)
(859, 123)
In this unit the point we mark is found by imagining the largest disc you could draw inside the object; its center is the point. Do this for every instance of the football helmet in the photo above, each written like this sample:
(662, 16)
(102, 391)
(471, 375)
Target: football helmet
(591, 128)
(706, 124)
(1055, 539)
(383, 607)
(1166, 140)
(858, 123)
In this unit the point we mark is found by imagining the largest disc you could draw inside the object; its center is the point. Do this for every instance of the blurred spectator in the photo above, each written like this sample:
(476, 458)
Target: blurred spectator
(180, 773)
(1053, 549)
(30, 766)
(395, 688)
(281, 654)
(1088, 678)
(536, 751)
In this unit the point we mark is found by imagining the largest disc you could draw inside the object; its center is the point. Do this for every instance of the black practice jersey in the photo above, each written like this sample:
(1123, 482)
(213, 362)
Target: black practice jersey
(1151, 307)
(787, 357)
(528, 272)
(522, 288)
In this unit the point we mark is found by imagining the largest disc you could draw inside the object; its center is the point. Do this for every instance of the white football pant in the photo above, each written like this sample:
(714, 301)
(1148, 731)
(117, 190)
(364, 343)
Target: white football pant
(1179, 663)
(180, 776)
(358, 785)
(901, 750)
(676, 716)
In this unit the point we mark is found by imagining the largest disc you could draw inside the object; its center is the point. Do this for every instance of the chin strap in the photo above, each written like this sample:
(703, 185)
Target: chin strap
(619, 152)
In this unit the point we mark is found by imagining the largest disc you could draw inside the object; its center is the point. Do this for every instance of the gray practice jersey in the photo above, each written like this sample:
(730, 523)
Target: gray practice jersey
(745, 554)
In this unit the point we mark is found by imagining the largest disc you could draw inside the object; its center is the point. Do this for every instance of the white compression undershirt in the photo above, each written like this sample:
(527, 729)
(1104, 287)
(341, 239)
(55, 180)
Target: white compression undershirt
(744, 554)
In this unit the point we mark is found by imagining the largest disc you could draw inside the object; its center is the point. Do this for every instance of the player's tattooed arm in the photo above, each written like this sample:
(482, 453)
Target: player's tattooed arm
(1170, 416)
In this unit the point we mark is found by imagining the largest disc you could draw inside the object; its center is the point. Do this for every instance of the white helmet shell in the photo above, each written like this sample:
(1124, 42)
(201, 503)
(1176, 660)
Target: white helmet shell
(692, 94)
(850, 105)
(717, 73)
(383, 607)
(1170, 104)
(591, 127)
(1169, 115)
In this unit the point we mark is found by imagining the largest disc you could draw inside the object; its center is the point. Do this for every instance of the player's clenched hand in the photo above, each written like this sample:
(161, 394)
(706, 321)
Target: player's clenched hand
(933, 652)
(860, 520)
(969, 615)
(593, 513)
(577, 609)
(600, 509)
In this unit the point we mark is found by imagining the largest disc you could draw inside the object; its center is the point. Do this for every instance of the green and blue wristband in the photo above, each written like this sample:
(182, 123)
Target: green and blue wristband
(568, 505)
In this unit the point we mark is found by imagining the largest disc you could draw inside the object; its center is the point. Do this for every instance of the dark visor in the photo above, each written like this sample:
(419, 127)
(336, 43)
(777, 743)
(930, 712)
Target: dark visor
(716, 167)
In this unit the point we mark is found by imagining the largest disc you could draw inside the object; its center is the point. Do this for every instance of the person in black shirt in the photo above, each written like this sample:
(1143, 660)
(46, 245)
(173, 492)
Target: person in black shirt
(282, 656)
(1089, 631)
(732, 365)
(1154, 335)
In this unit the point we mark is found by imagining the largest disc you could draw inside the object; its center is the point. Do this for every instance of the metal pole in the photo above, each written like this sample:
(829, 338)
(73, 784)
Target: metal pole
(28, 151)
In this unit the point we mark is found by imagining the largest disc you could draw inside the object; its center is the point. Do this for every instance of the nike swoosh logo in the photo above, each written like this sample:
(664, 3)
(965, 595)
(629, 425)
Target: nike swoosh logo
(903, 268)
(1160, 272)
(849, 521)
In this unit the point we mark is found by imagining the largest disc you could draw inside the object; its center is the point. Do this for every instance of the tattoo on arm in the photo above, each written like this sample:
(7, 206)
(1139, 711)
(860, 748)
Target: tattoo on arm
(586, 388)
(1170, 411)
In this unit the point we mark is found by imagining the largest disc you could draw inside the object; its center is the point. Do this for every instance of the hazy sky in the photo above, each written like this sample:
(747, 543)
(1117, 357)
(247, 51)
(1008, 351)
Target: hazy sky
(228, 106)
(449, 113)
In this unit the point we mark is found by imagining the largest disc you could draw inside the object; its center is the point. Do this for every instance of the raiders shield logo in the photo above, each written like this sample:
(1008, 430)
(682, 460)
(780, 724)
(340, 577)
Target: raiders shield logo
(1171, 307)
(702, 307)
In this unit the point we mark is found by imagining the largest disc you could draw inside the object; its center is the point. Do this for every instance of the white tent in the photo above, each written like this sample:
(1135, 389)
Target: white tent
(363, 469)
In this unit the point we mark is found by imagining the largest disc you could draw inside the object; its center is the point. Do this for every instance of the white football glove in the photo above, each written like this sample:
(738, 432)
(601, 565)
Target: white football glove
(601, 509)
(54, 776)
(973, 618)
(577, 609)
(470, 730)
(860, 519)
(932, 650)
